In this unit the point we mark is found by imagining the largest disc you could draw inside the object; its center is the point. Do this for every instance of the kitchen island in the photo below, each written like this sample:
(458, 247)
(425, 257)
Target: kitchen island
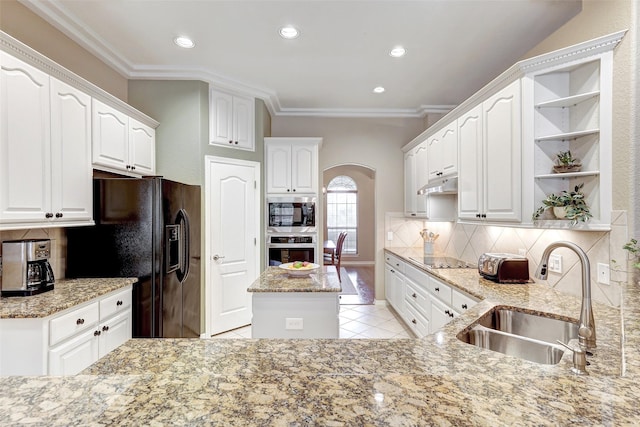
(286, 306)
(437, 380)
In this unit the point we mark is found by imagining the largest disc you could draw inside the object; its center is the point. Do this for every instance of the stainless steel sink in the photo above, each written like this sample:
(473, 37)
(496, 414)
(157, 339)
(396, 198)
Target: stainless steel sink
(530, 325)
(527, 336)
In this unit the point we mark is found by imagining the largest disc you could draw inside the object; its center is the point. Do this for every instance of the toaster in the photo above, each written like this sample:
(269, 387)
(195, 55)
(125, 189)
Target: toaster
(504, 268)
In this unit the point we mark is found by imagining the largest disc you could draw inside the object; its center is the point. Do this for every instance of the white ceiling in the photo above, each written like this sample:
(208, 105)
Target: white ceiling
(454, 47)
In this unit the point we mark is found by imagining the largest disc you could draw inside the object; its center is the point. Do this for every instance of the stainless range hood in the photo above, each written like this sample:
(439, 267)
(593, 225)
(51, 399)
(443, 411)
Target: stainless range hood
(441, 186)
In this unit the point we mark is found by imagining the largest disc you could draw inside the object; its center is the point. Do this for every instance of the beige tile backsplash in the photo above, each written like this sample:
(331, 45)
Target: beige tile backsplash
(58, 245)
(469, 241)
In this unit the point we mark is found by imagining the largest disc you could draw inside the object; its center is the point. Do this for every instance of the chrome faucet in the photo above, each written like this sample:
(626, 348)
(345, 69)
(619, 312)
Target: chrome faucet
(587, 326)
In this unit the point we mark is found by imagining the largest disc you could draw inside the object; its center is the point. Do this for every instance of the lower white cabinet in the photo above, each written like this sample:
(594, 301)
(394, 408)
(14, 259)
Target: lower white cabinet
(67, 342)
(426, 304)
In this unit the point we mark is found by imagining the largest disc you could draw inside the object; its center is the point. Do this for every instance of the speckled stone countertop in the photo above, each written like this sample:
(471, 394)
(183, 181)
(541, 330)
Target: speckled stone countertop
(275, 279)
(66, 293)
(437, 380)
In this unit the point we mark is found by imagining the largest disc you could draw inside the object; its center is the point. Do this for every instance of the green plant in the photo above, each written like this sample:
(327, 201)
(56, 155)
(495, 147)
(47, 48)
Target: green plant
(576, 207)
(634, 249)
(566, 159)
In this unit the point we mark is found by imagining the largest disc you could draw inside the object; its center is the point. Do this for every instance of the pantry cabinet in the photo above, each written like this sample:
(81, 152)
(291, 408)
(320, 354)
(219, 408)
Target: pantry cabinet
(44, 149)
(292, 165)
(490, 175)
(121, 143)
(67, 342)
(232, 120)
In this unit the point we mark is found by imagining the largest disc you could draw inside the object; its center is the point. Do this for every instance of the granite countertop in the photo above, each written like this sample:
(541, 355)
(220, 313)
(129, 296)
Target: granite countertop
(437, 380)
(66, 293)
(275, 279)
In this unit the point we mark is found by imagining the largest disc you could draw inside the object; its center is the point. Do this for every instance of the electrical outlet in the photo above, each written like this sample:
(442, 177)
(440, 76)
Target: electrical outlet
(604, 277)
(389, 235)
(522, 252)
(555, 264)
(293, 323)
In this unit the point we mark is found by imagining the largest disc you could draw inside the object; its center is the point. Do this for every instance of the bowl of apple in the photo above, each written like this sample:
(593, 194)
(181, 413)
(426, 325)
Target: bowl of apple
(299, 268)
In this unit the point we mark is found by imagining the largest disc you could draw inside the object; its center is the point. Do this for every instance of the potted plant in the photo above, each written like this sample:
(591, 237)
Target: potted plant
(565, 162)
(566, 205)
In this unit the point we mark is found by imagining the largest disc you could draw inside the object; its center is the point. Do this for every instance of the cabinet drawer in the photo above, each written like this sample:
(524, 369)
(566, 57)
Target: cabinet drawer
(460, 302)
(418, 324)
(69, 324)
(395, 262)
(418, 276)
(115, 303)
(417, 297)
(440, 290)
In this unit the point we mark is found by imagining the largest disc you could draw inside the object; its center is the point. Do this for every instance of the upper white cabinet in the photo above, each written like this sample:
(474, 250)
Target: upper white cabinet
(422, 164)
(122, 143)
(443, 153)
(415, 205)
(292, 165)
(44, 149)
(489, 185)
(231, 120)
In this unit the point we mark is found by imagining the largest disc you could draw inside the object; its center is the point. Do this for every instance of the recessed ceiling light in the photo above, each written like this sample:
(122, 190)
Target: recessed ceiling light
(378, 89)
(289, 32)
(398, 51)
(184, 42)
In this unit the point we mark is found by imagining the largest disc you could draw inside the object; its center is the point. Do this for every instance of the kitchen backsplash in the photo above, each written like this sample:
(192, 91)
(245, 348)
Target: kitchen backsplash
(469, 241)
(58, 245)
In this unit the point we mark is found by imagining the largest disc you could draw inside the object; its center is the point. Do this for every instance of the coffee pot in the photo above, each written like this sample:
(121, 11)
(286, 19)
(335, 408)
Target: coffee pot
(25, 267)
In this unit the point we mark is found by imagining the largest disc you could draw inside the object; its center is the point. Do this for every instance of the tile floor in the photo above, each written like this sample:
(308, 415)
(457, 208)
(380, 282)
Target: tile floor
(356, 321)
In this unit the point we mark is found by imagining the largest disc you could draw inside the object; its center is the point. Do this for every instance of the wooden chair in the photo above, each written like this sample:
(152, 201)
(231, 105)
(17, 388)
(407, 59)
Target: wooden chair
(341, 237)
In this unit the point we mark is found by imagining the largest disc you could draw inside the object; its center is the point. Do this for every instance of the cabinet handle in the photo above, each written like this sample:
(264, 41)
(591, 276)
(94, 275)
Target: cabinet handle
(464, 306)
(119, 302)
(414, 321)
(451, 314)
(294, 190)
(288, 190)
(484, 215)
(96, 333)
(414, 295)
(105, 328)
(413, 214)
(477, 215)
(392, 271)
(59, 215)
(437, 289)
(48, 215)
(128, 166)
(80, 322)
(447, 312)
(133, 167)
(230, 142)
(236, 142)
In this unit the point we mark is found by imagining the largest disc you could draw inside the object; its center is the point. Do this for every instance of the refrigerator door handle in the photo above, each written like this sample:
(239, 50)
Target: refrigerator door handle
(183, 219)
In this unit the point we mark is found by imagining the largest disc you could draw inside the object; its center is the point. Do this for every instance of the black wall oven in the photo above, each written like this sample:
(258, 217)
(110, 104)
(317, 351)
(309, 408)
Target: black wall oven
(282, 249)
(291, 215)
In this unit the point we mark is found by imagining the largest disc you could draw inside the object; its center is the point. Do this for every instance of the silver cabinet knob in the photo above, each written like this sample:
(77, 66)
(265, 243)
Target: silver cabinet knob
(217, 257)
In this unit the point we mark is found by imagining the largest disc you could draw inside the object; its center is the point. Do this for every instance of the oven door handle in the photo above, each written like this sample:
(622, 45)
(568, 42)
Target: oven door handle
(290, 245)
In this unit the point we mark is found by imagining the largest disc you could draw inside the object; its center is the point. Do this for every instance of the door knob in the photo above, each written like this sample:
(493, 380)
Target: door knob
(217, 257)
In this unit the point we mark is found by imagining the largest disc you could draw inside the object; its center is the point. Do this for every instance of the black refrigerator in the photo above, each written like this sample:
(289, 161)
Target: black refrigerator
(147, 228)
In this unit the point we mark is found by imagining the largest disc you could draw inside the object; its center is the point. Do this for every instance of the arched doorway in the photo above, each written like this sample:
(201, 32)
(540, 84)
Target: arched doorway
(350, 189)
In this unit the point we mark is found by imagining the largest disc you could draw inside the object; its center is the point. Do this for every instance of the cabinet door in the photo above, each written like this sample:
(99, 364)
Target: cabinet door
(434, 157)
(72, 185)
(75, 355)
(410, 183)
(110, 135)
(449, 150)
(114, 332)
(502, 154)
(278, 167)
(440, 315)
(470, 175)
(243, 122)
(25, 155)
(142, 148)
(304, 169)
(221, 118)
(422, 165)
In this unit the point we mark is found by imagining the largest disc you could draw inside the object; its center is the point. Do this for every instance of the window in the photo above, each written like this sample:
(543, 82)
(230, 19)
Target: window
(342, 212)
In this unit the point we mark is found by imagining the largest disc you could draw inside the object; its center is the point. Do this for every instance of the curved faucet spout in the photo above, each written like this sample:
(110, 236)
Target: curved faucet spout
(587, 327)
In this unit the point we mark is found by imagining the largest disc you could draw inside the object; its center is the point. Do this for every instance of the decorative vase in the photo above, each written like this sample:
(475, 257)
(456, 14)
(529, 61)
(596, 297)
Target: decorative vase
(560, 212)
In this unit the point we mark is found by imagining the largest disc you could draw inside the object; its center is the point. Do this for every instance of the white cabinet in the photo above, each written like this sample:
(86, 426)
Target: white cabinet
(572, 112)
(415, 205)
(44, 149)
(121, 143)
(231, 120)
(292, 165)
(490, 169)
(66, 342)
(443, 153)
(422, 165)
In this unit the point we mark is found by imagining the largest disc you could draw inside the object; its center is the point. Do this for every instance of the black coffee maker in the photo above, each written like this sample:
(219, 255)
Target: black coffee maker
(25, 267)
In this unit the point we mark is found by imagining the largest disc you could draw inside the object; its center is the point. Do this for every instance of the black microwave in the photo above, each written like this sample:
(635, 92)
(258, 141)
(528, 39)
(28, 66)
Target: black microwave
(291, 214)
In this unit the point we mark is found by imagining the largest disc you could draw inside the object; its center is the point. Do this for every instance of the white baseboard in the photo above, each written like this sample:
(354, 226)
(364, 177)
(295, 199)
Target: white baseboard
(345, 262)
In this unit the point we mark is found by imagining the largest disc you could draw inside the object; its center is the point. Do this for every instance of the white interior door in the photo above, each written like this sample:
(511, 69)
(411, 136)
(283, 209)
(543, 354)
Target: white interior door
(233, 223)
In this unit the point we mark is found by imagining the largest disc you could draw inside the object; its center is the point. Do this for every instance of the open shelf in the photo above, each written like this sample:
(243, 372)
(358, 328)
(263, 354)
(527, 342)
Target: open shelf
(568, 101)
(567, 175)
(567, 135)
